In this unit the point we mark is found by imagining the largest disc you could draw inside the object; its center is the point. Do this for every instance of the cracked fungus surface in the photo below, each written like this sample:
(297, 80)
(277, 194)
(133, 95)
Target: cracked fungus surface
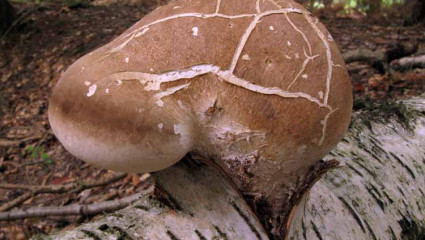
(265, 65)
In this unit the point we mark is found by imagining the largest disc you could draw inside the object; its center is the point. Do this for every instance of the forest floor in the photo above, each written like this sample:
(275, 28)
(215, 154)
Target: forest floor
(51, 36)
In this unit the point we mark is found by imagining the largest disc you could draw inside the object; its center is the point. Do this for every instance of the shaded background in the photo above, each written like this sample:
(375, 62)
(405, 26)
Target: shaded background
(40, 39)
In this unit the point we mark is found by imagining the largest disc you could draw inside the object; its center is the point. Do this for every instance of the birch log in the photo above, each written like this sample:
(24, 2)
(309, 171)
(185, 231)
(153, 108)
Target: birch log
(377, 192)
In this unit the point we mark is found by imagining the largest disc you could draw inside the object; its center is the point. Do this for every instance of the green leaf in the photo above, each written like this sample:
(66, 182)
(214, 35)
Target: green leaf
(45, 156)
(30, 149)
(49, 161)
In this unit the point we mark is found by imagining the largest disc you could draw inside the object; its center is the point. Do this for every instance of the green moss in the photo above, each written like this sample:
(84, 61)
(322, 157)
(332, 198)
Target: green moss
(372, 110)
(39, 236)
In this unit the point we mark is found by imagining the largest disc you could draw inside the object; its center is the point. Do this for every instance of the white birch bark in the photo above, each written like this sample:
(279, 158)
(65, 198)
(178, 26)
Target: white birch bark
(378, 192)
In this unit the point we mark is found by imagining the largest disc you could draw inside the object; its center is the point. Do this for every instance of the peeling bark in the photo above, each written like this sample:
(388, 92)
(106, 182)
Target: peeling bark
(376, 193)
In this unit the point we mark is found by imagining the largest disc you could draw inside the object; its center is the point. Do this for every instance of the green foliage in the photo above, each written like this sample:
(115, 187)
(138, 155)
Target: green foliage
(362, 5)
(38, 153)
(72, 4)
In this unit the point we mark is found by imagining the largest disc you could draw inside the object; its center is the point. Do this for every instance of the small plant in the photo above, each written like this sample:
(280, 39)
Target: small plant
(39, 154)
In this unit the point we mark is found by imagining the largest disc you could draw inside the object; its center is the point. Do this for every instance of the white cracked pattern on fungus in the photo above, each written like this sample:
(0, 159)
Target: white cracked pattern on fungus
(167, 92)
(92, 90)
(246, 57)
(195, 31)
(153, 81)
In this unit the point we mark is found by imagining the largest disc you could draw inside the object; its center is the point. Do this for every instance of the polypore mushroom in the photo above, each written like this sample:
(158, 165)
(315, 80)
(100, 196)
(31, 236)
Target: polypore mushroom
(258, 87)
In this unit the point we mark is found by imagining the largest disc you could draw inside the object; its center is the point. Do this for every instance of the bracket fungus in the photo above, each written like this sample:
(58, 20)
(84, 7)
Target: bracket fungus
(258, 87)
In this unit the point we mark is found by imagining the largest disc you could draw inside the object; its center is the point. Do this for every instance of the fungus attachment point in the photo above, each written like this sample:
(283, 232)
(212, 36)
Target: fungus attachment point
(265, 118)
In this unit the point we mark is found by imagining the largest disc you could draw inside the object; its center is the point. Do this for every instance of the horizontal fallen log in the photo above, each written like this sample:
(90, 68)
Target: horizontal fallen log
(364, 54)
(407, 63)
(381, 58)
(376, 193)
(191, 200)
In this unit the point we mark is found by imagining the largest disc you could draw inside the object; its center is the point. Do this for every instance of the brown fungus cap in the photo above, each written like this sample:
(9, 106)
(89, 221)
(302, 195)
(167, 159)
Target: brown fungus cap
(258, 86)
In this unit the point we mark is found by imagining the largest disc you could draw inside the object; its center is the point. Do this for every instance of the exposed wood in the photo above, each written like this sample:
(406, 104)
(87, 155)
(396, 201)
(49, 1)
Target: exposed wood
(376, 193)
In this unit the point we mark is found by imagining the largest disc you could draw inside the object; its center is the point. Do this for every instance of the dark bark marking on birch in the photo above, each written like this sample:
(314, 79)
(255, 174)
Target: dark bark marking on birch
(409, 170)
(141, 207)
(172, 236)
(103, 227)
(411, 229)
(90, 234)
(220, 233)
(376, 190)
(353, 212)
(388, 197)
(380, 203)
(304, 230)
(245, 218)
(373, 154)
(401, 191)
(316, 230)
(420, 190)
(394, 237)
(419, 206)
(201, 237)
(356, 160)
(165, 197)
(354, 169)
(370, 152)
(122, 235)
(370, 231)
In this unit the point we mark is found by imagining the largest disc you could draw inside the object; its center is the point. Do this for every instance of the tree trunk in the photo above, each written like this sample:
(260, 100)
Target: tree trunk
(7, 16)
(377, 192)
(415, 12)
(375, 7)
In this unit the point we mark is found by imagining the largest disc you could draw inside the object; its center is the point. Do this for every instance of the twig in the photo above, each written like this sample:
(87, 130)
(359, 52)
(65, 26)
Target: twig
(73, 188)
(16, 201)
(10, 143)
(82, 186)
(23, 16)
(73, 209)
(6, 63)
